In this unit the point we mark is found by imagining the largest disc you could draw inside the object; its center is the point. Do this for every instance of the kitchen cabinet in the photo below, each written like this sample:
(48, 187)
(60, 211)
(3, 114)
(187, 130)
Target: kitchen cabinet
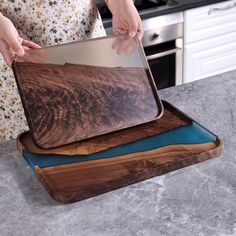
(209, 40)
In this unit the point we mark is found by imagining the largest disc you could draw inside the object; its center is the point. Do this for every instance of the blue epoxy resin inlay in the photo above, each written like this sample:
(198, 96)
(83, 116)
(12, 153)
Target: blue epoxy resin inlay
(188, 134)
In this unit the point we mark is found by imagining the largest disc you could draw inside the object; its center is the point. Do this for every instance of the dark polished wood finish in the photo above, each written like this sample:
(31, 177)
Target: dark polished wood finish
(68, 103)
(78, 181)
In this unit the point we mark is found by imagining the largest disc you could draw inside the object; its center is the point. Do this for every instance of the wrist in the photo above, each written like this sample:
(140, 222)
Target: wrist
(117, 5)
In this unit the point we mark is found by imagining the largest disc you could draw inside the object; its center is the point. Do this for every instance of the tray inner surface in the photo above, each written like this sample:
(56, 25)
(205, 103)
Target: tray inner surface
(68, 103)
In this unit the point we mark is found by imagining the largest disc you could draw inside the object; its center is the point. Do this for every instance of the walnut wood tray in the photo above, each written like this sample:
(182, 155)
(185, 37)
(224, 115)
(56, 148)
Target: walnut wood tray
(73, 178)
(68, 102)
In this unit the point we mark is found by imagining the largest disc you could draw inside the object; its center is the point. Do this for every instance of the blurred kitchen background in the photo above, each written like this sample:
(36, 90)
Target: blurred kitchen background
(185, 40)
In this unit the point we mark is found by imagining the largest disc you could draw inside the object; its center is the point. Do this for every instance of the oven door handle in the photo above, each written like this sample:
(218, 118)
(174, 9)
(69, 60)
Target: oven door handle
(162, 54)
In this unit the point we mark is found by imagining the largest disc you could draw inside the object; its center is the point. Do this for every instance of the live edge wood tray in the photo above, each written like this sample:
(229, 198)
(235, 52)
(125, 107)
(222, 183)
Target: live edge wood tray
(85, 89)
(167, 144)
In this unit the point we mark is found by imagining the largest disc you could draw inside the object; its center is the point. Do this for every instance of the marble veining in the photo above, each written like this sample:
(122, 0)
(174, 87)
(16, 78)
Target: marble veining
(197, 200)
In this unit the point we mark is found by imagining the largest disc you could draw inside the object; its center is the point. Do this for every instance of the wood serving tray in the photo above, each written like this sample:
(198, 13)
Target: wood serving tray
(73, 178)
(67, 103)
(169, 120)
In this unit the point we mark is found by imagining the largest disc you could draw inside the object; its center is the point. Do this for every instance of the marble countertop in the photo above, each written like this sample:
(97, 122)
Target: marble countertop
(196, 200)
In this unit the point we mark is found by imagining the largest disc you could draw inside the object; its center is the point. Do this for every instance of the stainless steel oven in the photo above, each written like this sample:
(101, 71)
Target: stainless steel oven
(162, 42)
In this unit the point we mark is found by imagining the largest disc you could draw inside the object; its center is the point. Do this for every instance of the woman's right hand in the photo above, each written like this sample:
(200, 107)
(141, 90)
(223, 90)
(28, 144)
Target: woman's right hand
(11, 43)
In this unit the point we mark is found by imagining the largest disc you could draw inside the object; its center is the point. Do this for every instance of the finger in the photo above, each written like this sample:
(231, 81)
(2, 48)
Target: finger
(14, 43)
(130, 47)
(120, 30)
(124, 46)
(9, 57)
(30, 44)
(118, 41)
(35, 56)
(29, 58)
(39, 52)
(133, 29)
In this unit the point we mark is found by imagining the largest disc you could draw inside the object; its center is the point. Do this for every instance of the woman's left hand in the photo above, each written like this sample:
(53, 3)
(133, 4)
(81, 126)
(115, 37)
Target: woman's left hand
(125, 18)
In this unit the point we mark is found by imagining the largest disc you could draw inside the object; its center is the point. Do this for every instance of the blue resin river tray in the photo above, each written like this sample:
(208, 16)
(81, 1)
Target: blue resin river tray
(69, 178)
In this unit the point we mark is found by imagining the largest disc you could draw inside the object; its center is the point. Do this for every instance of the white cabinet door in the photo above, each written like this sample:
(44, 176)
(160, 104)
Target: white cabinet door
(209, 57)
(209, 21)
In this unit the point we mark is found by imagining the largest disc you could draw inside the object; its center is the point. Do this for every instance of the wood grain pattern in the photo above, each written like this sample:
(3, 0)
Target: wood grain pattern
(77, 181)
(68, 103)
(171, 119)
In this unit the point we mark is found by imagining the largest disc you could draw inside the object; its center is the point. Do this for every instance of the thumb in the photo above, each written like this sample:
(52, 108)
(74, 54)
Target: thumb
(132, 33)
(133, 29)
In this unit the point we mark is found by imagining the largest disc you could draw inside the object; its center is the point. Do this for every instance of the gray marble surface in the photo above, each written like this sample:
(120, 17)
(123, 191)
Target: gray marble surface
(196, 200)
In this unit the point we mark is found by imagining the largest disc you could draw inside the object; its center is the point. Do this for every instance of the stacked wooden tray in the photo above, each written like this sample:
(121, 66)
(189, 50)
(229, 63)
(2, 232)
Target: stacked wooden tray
(101, 164)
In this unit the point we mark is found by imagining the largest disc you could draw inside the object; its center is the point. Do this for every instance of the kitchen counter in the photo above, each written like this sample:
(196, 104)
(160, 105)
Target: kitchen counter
(196, 200)
(180, 6)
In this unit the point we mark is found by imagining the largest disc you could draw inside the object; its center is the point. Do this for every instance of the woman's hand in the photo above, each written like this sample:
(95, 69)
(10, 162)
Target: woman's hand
(125, 18)
(11, 43)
